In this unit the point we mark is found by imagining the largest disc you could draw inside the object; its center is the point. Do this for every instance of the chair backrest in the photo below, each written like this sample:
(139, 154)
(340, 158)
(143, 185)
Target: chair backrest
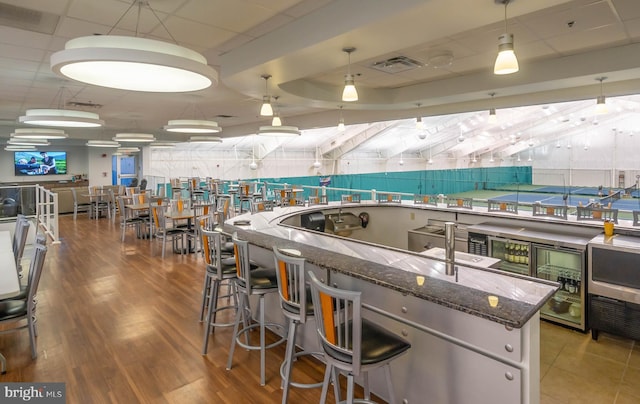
(20, 219)
(35, 271)
(291, 284)
(243, 266)
(140, 198)
(338, 321)
(75, 196)
(21, 241)
(212, 246)
(158, 212)
(261, 206)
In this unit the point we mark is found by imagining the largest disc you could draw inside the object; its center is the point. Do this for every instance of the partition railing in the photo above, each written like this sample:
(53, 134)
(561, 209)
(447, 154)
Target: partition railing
(33, 201)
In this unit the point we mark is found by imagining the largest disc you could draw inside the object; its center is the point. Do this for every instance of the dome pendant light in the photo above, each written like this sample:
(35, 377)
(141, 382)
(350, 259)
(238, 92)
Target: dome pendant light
(349, 93)
(132, 63)
(506, 62)
(276, 121)
(493, 118)
(601, 104)
(266, 109)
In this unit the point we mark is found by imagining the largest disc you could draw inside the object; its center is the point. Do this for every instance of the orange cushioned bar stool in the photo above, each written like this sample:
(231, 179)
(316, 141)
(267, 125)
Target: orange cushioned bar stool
(295, 300)
(351, 343)
(252, 282)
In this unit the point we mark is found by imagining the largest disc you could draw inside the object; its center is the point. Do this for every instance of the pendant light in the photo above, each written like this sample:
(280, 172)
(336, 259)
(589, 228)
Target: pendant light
(279, 131)
(61, 117)
(266, 109)
(276, 121)
(163, 145)
(601, 104)
(18, 148)
(192, 126)
(506, 61)
(493, 118)
(27, 142)
(205, 139)
(317, 164)
(401, 162)
(341, 120)
(349, 93)
(430, 161)
(102, 143)
(39, 134)
(134, 137)
(132, 63)
(253, 165)
(419, 123)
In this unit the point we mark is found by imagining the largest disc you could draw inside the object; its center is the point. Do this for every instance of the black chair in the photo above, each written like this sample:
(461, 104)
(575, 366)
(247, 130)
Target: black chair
(14, 310)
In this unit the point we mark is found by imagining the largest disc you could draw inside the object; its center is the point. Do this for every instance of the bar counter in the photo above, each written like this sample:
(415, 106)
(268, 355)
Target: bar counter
(462, 349)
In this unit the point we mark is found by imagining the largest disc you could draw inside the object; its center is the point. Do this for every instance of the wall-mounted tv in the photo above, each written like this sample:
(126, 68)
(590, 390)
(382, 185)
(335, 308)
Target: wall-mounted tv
(32, 162)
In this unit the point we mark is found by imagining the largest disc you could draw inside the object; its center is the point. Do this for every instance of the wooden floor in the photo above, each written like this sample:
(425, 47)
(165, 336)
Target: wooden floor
(118, 324)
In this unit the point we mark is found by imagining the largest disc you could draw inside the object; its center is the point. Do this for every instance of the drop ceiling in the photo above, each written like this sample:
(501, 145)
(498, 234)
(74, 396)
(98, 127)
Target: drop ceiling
(562, 47)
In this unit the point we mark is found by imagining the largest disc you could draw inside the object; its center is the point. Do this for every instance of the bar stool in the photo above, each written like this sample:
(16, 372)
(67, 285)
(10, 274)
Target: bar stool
(295, 300)
(220, 269)
(257, 282)
(351, 343)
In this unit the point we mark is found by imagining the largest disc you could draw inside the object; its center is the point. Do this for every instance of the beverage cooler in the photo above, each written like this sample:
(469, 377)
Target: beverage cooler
(542, 253)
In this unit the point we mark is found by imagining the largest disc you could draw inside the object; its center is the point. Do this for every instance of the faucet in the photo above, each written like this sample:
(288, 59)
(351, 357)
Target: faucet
(449, 248)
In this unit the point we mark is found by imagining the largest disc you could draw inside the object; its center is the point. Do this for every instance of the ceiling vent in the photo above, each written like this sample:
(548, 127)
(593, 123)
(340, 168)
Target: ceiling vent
(396, 64)
(77, 104)
(27, 19)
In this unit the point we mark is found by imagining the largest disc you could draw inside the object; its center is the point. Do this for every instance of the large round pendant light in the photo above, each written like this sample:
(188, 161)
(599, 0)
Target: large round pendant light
(102, 143)
(61, 117)
(192, 126)
(205, 139)
(28, 142)
(282, 131)
(39, 134)
(132, 63)
(134, 137)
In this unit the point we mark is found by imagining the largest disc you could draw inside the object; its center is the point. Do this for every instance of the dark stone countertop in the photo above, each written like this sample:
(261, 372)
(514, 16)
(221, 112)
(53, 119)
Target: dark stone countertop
(519, 297)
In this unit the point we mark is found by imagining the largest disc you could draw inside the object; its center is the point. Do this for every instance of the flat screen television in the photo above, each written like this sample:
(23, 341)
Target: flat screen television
(33, 162)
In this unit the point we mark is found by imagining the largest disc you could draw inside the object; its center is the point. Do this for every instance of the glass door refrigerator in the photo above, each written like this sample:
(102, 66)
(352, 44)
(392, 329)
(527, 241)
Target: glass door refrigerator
(514, 254)
(567, 267)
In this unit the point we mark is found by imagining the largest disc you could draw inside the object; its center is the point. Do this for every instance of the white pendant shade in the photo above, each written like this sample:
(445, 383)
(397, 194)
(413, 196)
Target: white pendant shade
(133, 63)
(493, 118)
(276, 121)
(266, 109)
(192, 126)
(349, 93)
(102, 143)
(253, 165)
(601, 105)
(61, 117)
(282, 131)
(506, 61)
(39, 134)
(134, 137)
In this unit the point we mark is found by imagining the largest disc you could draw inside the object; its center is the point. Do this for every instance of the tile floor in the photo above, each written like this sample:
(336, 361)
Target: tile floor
(576, 369)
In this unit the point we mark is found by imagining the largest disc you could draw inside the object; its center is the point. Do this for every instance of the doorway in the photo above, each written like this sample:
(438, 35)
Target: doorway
(124, 169)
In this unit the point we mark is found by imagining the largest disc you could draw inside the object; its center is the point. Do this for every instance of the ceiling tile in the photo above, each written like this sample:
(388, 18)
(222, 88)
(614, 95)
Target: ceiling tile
(236, 16)
(627, 9)
(579, 41)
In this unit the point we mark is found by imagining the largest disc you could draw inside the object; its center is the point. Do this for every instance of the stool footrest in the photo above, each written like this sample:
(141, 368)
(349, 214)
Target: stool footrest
(297, 384)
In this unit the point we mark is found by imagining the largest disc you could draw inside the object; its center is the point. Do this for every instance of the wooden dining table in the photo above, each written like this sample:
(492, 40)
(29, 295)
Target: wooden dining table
(9, 282)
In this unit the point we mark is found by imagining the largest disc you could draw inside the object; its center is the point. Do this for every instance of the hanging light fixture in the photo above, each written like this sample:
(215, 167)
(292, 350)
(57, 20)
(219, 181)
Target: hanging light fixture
(601, 104)
(430, 161)
(281, 131)
(276, 121)
(317, 164)
(205, 139)
(266, 109)
(474, 160)
(163, 145)
(491, 160)
(39, 134)
(340, 120)
(419, 123)
(192, 126)
(401, 162)
(18, 148)
(102, 143)
(28, 142)
(349, 93)
(493, 118)
(61, 117)
(132, 63)
(126, 150)
(506, 62)
(134, 137)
